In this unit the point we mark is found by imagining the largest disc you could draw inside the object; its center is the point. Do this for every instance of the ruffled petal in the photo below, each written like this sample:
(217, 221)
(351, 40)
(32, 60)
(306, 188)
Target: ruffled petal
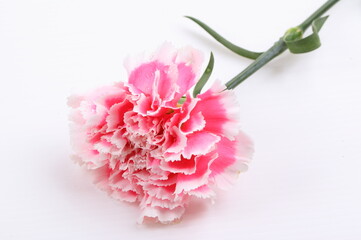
(163, 215)
(199, 143)
(199, 178)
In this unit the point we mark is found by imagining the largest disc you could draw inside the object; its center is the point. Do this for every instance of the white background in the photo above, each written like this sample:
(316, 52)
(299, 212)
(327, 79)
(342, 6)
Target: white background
(302, 111)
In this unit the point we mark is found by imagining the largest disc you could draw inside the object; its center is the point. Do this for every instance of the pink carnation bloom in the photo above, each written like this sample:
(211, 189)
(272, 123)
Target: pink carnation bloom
(144, 146)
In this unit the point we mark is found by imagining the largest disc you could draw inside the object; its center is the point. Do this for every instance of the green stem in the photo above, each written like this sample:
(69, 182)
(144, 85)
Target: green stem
(278, 48)
(318, 13)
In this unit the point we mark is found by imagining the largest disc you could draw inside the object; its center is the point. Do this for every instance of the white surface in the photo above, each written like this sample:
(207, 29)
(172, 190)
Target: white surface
(303, 113)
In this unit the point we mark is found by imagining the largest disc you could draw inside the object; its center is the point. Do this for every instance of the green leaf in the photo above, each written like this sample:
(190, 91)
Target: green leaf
(296, 44)
(234, 48)
(203, 80)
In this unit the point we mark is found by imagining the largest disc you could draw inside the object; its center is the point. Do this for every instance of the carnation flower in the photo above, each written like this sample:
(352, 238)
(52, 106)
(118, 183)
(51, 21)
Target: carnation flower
(149, 141)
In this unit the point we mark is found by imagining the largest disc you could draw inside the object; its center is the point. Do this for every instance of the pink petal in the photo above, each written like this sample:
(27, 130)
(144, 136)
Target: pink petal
(220, 111)
(75, 100)
(230, 152)
(196, 122)
(152, 79)
(141, 79)
(185, 166)
(190, 57)
(165, 54)
(199, 143)
(199, 178)
(144, 104)
(186, 78)
(163, 215)
(233, 159)
(115, 118)
(128, 196)
(118, 140)
(175, 141)
(202, 192)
